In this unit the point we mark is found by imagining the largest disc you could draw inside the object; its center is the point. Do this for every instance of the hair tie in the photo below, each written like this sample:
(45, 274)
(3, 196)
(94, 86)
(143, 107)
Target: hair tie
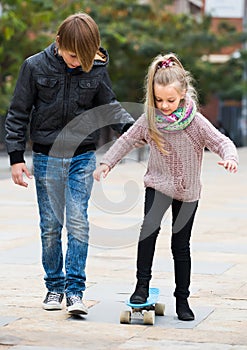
(166, 64)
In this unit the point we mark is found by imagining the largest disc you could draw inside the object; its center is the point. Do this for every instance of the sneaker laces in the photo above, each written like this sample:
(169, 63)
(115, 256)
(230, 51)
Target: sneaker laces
(53, 296)
(75, 299)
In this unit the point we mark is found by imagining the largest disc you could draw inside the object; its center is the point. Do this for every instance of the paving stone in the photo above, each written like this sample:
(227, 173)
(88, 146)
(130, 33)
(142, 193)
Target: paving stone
(218, 293)
(175, 345)
(5, 320)
(21, 347)
(111, 301)
(9, 340)
(26, 254)
(198, 266)
(220, 247)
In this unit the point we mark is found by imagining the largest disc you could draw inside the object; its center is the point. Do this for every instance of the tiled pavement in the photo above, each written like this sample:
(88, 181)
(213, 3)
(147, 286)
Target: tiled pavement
(219, 280)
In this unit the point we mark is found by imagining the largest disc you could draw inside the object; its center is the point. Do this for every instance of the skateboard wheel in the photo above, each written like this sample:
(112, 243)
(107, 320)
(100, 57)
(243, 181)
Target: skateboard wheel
(125, 317)
(159, 309)
(149, 317)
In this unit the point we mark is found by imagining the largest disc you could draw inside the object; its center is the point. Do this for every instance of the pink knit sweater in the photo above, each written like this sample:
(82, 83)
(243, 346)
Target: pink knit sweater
(177, 174)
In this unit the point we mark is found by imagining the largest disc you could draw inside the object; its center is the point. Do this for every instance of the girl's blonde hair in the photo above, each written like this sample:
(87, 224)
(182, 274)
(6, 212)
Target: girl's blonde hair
(165, 70)
(79, 34)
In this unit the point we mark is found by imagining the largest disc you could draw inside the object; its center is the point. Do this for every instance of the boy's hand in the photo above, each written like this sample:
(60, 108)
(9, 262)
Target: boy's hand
(17, 171)
(229, 165)
(103, 168)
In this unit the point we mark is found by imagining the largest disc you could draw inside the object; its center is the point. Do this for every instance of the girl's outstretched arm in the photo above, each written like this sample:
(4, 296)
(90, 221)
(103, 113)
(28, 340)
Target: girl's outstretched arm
(102, 168)
(229, 165)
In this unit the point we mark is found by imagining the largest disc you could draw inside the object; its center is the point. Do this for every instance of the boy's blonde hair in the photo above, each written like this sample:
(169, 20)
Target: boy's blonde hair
(165, 70)
(79, 34)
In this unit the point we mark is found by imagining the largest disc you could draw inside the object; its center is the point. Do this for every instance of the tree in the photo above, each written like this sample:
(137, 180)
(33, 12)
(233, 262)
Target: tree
(26, 27)
(135, 33)
(132, 32)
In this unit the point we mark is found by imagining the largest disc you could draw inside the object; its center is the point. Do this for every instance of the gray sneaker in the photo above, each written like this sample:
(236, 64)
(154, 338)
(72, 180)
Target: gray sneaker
(53, 301)
(75, 306)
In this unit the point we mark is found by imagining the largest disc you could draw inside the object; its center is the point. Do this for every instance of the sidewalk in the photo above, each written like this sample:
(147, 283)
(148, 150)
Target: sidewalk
(219, 278)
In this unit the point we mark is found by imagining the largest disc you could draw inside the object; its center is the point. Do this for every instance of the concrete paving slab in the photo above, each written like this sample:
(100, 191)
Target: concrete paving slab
(115, 292)
(111, 302)
(6, 340)
(219, 267)
(175, 345)
(26, 254)
(221, 247)
(5, 320)
(113, 238)
(10, 235)
(108, 311)
(21, 347)
(121, 291)
(198, 266)
(171, 321)
(210, 268)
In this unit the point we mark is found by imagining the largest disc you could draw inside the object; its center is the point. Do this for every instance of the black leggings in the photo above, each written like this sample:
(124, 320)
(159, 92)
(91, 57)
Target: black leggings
(183, 213)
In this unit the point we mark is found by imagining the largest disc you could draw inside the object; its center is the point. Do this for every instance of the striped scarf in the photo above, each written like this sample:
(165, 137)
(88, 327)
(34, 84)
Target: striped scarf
(179, 119)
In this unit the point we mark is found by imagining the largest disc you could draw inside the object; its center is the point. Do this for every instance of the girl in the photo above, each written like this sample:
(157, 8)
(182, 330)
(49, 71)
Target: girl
(177, 135)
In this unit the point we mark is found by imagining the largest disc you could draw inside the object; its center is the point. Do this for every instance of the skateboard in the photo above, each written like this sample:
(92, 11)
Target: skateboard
(145, 312)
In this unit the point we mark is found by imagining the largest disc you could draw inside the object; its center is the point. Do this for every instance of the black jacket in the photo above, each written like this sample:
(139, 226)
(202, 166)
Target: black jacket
(61, 104)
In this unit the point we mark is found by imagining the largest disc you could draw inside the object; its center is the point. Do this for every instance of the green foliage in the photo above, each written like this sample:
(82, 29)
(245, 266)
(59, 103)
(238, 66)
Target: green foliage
(26, 27)
(132, 32)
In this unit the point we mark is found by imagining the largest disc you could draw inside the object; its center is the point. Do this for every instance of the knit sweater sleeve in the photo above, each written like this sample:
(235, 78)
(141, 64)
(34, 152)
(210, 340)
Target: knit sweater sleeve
(125, 143)
(217, 142)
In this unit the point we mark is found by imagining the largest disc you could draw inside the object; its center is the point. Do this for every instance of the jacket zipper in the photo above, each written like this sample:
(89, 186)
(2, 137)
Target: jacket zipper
(66, 98)
(65, 111)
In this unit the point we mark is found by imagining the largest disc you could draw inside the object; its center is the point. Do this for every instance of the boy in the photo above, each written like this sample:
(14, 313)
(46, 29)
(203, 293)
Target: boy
(57, 88)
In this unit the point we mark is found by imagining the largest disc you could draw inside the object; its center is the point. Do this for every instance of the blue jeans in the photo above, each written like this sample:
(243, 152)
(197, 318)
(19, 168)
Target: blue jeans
(63, 188)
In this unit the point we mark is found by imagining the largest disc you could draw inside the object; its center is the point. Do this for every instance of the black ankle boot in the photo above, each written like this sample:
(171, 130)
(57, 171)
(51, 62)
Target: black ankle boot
(140, 294)
(183, 310)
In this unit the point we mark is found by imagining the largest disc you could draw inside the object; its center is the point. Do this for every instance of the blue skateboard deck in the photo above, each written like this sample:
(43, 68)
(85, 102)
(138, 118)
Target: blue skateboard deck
(151, 300)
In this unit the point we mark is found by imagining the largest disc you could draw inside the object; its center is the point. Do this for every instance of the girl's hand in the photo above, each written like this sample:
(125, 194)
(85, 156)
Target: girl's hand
(229, 165)
(103, 168)
(139, 144)
(17, 171)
